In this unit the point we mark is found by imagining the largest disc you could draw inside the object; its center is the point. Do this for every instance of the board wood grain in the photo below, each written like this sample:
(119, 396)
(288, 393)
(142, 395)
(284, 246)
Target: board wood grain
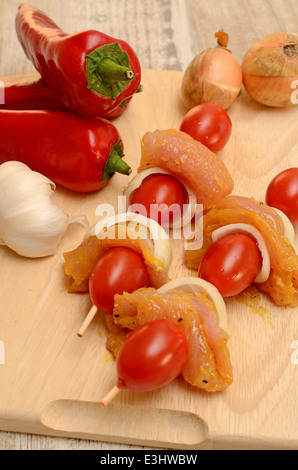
(53, 381)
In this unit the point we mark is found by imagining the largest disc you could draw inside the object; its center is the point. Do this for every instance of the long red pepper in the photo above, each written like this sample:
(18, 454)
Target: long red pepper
(76, 152)
(91, 72)
(29, 91)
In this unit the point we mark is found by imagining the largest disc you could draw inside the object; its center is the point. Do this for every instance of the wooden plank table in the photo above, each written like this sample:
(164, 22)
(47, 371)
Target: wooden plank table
(165, 35)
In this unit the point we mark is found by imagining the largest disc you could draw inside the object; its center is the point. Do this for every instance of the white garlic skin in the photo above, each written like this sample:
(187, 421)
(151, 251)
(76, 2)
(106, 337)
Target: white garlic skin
(30, 223)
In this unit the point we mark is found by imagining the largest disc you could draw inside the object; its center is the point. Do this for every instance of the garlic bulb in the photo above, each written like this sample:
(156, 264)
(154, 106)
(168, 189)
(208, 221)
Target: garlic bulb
(30, 223)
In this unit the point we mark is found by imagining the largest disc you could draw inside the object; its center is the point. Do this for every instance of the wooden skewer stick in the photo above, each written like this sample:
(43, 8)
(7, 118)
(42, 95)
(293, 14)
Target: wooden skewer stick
(92, 312)
(109, 396)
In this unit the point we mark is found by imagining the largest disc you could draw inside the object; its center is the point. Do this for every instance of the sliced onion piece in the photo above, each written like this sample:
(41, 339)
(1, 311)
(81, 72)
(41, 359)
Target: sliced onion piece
(289, 231)
(188, 209)
(252, 231)
(195, 286)
(138, 226)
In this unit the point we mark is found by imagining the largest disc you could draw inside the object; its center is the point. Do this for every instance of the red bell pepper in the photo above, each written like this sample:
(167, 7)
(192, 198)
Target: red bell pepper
(76, 152)
(30, 91)
(91, 72)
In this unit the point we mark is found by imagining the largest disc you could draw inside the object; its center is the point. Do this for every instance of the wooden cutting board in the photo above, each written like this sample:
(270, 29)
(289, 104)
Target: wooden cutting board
(51, 381)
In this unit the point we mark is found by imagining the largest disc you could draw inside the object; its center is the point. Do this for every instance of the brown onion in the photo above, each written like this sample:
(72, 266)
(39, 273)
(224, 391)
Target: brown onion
(214, 76)
(270, 68)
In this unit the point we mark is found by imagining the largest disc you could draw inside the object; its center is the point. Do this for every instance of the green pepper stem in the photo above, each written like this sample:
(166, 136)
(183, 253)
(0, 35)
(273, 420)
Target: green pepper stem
(117, 165)
(109, 70)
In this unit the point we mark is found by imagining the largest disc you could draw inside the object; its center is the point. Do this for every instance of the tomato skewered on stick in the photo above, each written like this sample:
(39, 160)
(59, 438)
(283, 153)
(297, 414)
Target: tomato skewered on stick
(152, 355)
(119, 269)
(160, 195)
(231, 264)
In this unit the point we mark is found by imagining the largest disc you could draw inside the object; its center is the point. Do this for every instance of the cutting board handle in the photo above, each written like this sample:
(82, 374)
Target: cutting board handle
(125, 424)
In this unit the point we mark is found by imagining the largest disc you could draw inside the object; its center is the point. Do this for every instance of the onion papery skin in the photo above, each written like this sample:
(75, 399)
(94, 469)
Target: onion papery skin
(213, 76)
(270, 67)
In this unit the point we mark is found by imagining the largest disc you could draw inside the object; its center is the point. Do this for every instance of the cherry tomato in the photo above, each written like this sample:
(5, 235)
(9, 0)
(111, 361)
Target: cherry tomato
(119, 269)
(157, 193)
(282, 193)
(153, 355)
(231, 264)
(209, 124)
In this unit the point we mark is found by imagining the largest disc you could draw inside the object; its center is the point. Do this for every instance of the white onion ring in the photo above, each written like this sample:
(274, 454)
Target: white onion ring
(289, 231)
(158, 236)
(195, 284)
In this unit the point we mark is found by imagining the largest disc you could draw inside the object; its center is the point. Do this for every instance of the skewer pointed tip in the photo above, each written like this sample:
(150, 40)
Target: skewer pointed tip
(87, 321)
(110, 395)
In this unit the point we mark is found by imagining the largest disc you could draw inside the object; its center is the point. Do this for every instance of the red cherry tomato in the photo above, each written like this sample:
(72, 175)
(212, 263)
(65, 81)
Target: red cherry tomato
(282, 193)
(231, 264)
(209, 124)
(152, 355)
(119, 269)
(157, 193)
